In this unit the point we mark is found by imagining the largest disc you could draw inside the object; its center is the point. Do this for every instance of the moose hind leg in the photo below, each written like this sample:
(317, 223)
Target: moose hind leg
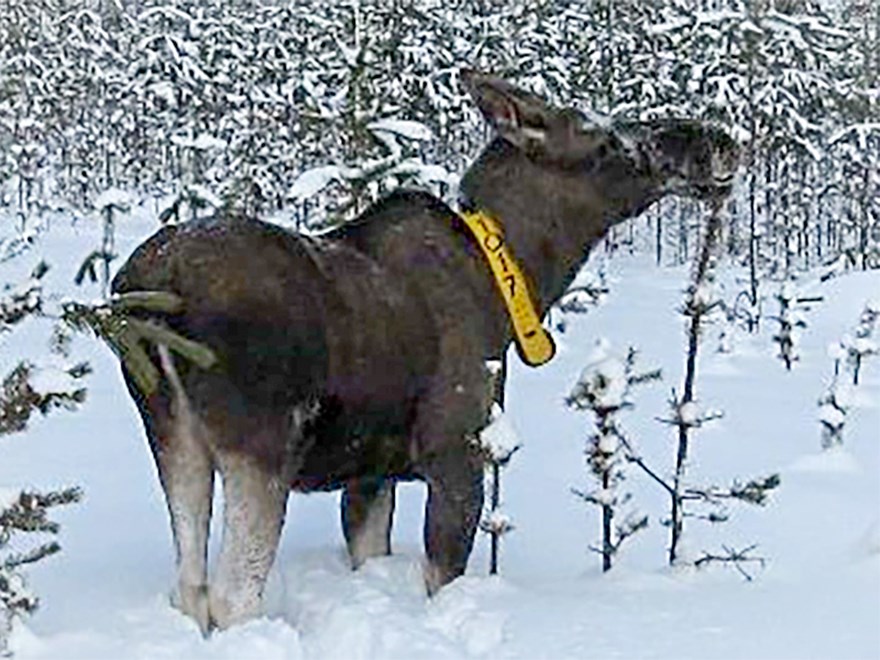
(452, 512)
(367, 511)
(186, 472)
(253, 514)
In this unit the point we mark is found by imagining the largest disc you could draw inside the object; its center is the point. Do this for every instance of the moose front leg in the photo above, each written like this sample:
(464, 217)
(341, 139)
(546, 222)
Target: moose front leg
(455, 502)
(367, 511)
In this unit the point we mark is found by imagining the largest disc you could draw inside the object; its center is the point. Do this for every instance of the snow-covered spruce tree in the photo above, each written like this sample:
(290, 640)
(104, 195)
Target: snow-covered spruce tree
(604, 389)
(24, 513)
(27, 389)
(499, 443)
(366, 140)
(56, 383)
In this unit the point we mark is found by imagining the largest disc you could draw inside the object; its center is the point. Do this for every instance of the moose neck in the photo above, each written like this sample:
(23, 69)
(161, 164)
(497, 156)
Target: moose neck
(551, 218)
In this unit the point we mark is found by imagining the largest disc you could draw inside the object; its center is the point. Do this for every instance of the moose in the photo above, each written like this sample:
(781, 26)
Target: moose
(357, 358)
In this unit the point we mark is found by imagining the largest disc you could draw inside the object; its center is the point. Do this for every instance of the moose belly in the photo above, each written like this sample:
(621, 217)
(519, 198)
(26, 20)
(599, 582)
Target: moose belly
(380, 357)
(341, 444)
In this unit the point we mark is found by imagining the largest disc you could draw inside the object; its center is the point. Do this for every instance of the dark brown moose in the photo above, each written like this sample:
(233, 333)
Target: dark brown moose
(357, 358)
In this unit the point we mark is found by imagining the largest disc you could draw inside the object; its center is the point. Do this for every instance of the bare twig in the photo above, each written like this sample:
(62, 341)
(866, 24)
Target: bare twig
(734, 557)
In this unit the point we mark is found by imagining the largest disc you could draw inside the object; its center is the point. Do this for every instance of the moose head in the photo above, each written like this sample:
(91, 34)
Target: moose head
(560, 179)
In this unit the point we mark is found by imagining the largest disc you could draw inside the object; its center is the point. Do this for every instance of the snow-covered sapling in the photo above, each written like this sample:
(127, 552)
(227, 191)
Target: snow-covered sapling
(790, 322)
(109, 204)
(851, 350)
(499, 443)
(726, 333)
(604, 389)
(862, 344)
(833, 408)
(687, 415)
(699, 303)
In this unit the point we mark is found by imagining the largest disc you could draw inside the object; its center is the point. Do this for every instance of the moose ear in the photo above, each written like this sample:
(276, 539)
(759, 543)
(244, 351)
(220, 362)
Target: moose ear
(520, 117)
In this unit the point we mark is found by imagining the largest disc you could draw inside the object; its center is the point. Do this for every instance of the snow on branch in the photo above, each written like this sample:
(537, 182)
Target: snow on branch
(27, 389)
(20, 301)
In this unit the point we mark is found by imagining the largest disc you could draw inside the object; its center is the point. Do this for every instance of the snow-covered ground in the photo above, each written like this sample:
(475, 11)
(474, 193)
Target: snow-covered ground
(105, 595)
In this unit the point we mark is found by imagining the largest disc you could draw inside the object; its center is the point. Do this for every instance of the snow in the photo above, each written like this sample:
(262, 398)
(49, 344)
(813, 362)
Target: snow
(112, 197)
(105, 594)
(689, 413)
(834, 460)
(608, 444)
(864, 345)
(494, 366)
(411, 130)
(786, 291)
(604, 496)
(202, 142)
(497, 521)
(499, 438)
(8, 497)
(704, 294)
(605, 376)
(831, 415)
(837, 350)
(49, 379)
(205, 194)
(844, 394)
(313, 181)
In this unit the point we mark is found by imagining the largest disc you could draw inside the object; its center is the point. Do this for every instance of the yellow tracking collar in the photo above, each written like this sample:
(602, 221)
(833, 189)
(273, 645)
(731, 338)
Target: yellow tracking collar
(534, 343)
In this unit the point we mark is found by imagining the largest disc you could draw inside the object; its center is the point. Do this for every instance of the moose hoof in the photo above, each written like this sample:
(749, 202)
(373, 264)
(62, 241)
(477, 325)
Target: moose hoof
(226, 611)
(192, 600)
(435, 578)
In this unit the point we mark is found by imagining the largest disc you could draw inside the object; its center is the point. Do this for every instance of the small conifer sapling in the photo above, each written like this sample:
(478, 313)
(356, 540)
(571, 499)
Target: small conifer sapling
(604, 389)
(498, 442)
